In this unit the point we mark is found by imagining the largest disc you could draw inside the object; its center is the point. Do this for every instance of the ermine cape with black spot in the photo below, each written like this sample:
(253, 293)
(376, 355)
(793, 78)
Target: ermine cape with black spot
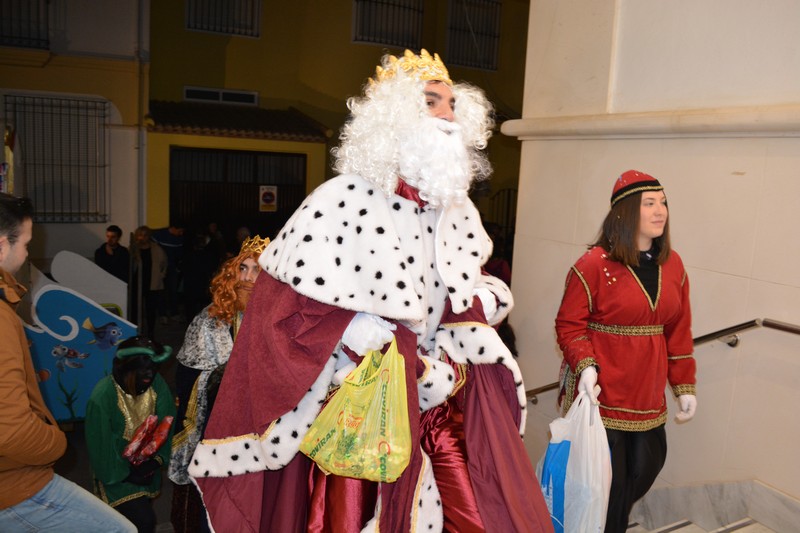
(350, 247)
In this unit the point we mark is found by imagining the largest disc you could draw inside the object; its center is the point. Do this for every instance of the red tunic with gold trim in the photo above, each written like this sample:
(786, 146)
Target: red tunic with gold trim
(608, 319)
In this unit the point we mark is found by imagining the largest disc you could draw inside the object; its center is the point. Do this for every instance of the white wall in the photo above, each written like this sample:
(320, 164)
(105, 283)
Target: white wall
(703, 95)
(83, 239)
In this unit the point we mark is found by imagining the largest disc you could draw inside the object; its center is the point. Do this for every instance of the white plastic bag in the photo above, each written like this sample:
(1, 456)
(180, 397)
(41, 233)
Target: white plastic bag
(575, 472)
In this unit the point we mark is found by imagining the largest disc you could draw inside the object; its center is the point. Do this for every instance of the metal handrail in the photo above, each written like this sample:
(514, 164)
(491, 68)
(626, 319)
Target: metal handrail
(727, 335)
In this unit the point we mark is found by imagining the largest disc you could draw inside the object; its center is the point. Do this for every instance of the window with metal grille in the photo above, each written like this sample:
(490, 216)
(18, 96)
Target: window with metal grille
(389, 22)
(61, 156)
(231, 17)
(473, 33)
(23, 24)
(224, 186)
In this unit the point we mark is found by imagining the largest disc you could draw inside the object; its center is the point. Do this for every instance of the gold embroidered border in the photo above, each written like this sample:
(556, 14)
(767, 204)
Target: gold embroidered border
(680, 390)
(425, 373)
(581, 338)
(632, 411)
(247, 436)
(461, 378)
(634, 425)
(679, 357)
(584, 364)
(417, 492)
(465, 324)
(635, 190)
(647, 294)
(630, 331)
(585, 287)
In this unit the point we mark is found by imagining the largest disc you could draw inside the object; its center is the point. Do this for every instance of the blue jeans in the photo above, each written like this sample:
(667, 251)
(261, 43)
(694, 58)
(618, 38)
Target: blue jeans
(65, 507)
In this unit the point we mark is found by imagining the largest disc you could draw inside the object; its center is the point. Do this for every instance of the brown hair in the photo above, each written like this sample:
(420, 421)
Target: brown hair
(620, 229)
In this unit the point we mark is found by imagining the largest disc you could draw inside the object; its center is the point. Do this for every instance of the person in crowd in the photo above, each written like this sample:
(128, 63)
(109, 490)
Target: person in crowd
(201, 363)
(171, 239)
(198, 267)
(118, 406)
(32, 495)
(149, 269)
(216, 244)
(392, 247)
(112, 256)
(242, 233)
(625, 324)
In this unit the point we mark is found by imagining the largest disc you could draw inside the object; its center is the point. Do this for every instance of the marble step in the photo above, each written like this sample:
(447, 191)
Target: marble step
(746, 525)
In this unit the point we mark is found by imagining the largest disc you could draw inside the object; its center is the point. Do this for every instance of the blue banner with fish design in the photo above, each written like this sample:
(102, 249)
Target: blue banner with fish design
(73, 341)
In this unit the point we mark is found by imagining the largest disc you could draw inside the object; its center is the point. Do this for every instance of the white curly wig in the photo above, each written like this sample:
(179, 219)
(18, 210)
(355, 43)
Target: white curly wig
(371, 139)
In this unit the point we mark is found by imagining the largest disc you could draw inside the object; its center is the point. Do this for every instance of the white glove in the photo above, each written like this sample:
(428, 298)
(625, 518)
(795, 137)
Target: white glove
(588, 382)
(688, 404)
(488, 301)
(367, 332)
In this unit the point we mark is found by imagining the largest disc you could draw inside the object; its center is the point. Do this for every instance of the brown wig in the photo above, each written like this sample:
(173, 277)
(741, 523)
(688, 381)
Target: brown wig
(620, 230)
(223, 287)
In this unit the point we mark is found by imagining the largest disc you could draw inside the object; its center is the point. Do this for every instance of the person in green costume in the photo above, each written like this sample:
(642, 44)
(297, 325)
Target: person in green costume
(117, 407)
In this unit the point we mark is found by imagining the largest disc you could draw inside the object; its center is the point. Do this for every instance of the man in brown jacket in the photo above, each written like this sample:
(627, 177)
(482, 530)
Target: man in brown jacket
(32, 496)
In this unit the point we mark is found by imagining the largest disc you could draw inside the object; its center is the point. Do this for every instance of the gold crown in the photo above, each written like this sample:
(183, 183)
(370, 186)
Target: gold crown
(254, 245)
(423, 67)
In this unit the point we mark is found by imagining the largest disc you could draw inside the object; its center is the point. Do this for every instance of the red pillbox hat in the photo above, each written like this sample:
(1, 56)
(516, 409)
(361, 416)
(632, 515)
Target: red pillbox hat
(631, 182)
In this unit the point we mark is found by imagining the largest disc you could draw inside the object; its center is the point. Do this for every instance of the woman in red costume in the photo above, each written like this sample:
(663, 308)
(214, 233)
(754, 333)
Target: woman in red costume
(625, 324)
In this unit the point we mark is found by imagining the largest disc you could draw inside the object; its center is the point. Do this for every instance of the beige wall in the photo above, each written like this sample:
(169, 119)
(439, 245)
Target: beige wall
(705, 95)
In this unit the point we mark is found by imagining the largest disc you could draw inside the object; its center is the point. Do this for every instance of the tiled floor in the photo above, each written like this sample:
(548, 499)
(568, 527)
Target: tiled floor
(74, 465)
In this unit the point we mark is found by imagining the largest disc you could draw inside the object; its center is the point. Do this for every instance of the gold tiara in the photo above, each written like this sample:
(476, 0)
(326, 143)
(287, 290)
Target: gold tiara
(254, 245)
(423, 67)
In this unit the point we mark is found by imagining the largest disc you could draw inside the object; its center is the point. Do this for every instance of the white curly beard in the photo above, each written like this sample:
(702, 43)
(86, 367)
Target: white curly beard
(434, 160)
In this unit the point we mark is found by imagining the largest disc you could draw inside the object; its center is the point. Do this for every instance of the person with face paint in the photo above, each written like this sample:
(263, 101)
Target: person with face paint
(201, 363)
(117, 407)
(625, 324)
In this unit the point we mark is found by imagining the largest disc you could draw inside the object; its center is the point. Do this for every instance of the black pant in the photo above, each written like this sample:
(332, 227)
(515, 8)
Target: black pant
(636, 459)
(140, 512)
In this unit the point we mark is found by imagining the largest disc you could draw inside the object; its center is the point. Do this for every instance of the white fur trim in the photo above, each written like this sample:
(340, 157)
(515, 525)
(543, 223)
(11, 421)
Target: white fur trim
(436, 384)
(505, 301)
(478, 344)
(274, 449)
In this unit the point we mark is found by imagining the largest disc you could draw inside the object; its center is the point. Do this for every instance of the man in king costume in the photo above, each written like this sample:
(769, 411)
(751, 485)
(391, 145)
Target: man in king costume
(391, 247)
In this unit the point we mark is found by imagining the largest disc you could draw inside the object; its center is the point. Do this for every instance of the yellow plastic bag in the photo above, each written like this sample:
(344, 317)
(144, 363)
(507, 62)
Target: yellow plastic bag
(363, 431)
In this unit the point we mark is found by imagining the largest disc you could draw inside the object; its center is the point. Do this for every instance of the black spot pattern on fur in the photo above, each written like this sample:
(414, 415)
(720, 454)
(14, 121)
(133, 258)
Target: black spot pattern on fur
(234, 457)
(317, 214)
(307, 238)
(319, 281)
(300, 263)
(276, 440)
